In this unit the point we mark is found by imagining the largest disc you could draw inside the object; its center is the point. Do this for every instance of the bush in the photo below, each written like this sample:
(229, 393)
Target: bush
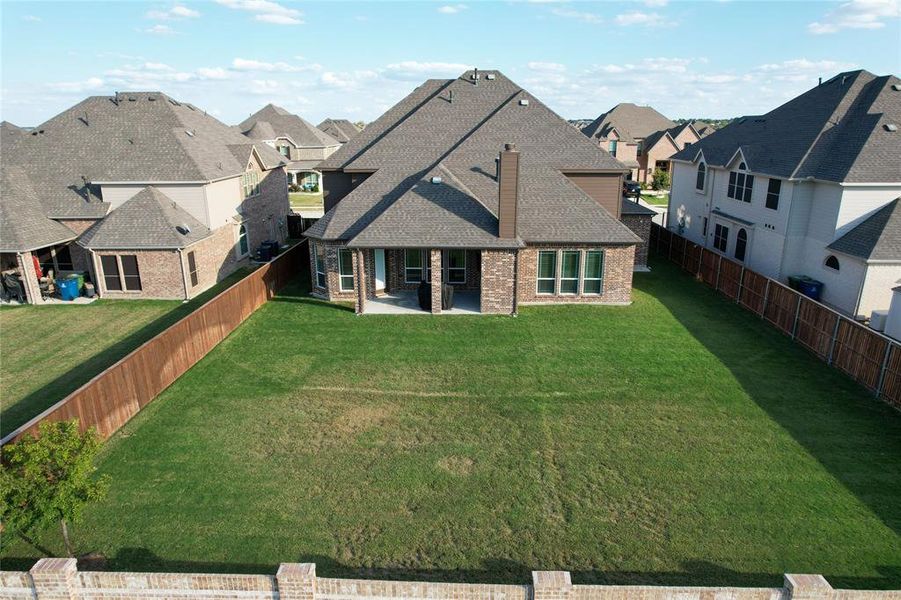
(660, 180)
(293, 187)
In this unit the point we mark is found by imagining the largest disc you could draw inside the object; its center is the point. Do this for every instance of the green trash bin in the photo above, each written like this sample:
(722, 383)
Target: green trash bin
(794, 281)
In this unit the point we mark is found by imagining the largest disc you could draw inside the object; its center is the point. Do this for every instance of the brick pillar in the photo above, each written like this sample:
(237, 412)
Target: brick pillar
(435, 260)
(360, 287)
(29, 278)
(807, 587)
(55, 579)
(551, 585)
(296, 581)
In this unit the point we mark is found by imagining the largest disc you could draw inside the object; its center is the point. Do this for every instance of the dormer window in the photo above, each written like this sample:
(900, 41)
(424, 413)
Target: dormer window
(741, 184)
(250, 182)
(701, 178)
(611, 147)
(284, 151)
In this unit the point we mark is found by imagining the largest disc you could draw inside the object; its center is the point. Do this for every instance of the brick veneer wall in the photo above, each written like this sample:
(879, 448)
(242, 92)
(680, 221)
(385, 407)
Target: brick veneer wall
(160, 270)
(59, 579)
(332, 291)
(640, 225)
(216, 257)
(617, 284)
(498, 270)
(396, 265)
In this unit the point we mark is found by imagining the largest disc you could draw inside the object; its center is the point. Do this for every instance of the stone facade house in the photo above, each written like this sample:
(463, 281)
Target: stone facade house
(150, 197)
(475, 184)
(302, 145)
(809, 188)
(642, 138)
(340, 129)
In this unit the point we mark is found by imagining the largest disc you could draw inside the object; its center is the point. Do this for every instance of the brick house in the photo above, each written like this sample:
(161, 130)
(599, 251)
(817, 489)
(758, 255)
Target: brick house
(151, 197)
(302, 145)
(642, 138)
(474, 184)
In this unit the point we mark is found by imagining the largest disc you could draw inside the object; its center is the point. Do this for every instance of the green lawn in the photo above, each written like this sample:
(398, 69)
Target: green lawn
(301, 200)
(656, 200)
(678, 440)
(46, 352)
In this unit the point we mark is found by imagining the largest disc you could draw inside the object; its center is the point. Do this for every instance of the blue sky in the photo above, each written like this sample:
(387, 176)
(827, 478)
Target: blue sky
(356, 59)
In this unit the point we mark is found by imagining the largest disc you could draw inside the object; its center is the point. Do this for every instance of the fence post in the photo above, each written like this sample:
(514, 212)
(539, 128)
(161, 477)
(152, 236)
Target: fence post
(888, 351)
(797, 314)
(766, 297)
(838, 321)
(719, 267)
(700, 259)
(741, 280)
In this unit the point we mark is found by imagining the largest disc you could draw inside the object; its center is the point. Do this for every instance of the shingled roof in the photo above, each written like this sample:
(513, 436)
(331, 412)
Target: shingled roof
(140, 137)
(877, 237)
(274, 119)
(838, 131)
(148, 220)
(631, 122)
(23, 225)
(340, 129)
(455, 129)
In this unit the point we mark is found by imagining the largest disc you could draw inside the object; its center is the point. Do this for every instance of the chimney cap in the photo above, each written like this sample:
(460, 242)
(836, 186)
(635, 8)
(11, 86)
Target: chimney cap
(509, 147)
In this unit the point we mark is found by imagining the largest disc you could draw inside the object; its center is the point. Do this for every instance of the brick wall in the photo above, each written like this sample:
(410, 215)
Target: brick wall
(59, 579)
(215, 257)
(332, 290)
(498, 269)
(617, 283)
(640, 226)
(160, 271)
(395, 271)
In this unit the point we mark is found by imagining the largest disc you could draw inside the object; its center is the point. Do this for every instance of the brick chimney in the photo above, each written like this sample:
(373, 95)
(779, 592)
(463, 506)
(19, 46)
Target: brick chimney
(508, 191)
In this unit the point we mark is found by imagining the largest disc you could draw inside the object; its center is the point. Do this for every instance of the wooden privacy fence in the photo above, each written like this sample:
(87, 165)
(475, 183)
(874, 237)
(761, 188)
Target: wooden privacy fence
(867, 356)
(117, 394)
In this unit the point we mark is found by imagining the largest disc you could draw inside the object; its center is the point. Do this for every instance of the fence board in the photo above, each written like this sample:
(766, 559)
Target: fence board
(816, 325)
(730, 278)
(754, 291)
(781, 307)
(117, 394)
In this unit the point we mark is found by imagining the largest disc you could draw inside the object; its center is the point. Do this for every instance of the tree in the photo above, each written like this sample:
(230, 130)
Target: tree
(50, 479)
(660, 180)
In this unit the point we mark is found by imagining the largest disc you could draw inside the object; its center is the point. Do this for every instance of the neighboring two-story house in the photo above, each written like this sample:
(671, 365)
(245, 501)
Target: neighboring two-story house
(152, 197)
(340, 129)
(808, 188)
(642, 138)
(301, 144)
(474, 183)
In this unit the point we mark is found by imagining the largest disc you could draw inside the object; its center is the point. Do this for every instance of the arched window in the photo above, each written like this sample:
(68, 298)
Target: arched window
(702, 177)
(742, 167)
(741, 244)
(243, 243)
(832, 262)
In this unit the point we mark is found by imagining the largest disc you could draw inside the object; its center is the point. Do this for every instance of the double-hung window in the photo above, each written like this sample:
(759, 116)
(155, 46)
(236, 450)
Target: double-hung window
(547, 272)
(111, 273)
(346, 270)
(720, 237)
(320, 266)
(701, 177)
(250, 183)
(192, 268)
(130, 272)
(741, 184)
(611, 147)
(121, 272)
(592, 280)
(772, 194)
(569, 272)
(412, 265)
(456, 266)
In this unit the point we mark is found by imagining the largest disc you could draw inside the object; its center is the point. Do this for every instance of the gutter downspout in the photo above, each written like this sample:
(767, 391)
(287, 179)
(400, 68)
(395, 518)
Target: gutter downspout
(96, 274)
(516, 280)
(184, 276)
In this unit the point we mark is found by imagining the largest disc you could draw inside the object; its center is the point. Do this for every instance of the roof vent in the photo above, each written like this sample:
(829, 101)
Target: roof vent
(490, 76)
(475, 76)
(891, 127)
(151, 98)
(131, 98)
(183, 229)
(524, 102)
(896, 87)
(436, 180)
(189, 132)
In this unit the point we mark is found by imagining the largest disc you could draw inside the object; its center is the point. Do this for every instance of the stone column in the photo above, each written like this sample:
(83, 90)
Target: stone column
(29, 278)
(55, 579)
(807, 587)
(360, 286)
(296, 581)
(551, 585)
(435, 261)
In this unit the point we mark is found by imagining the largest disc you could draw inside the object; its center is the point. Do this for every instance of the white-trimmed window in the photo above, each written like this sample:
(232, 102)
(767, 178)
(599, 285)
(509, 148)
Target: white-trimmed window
(547, 272)
(250, 183)
(832, 263)
(593, 278)
(121, 272)
(701, 178)
(741, 184)
(243, 241)
(772, 193)
(319, 254)
(455, 266)
(346, 270)
(741, 245)
(412, 265)
(569, 272)
(720, 237)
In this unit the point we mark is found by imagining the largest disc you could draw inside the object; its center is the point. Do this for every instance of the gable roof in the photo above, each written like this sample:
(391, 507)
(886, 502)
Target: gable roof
(23, 225)
(457, 128)
(340, 129)
(631, 122)
(877, 237)
(272, 118)
(833, 132)
(149, 219)
(135, 136)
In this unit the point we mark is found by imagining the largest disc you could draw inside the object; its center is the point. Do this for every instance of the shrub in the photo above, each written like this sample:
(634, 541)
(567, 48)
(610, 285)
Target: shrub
(660, 180)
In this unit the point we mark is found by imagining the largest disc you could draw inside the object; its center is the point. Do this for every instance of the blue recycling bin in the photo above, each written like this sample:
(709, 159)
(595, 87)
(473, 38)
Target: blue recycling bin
(810, 287)
(68, 288)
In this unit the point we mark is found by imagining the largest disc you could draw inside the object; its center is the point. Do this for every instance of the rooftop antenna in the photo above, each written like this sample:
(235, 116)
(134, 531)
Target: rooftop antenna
(475, 75)
(820, 82)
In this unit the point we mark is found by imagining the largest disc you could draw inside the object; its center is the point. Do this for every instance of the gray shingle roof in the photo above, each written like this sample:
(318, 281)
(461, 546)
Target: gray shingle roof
(462, 137)
(340, 129)
(150, 219)
(877, 237)
(833, 132)
(23, 225)
(142, 137)
(630, 207)
(632, 122)
(272, 118)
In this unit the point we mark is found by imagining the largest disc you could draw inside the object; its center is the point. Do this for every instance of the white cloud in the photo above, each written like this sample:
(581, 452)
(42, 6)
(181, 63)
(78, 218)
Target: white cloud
(244, 64)
(585, 17)
(267, 11)
(213, 73)
(176, 12)
(353, 80)
(642, 19)
(546, 66)
(802, 69)
(412, 70)
(155, 66)
(857, 14)
(160, 30)
(32, 18)
(87, 85)
(655, 3)
(452, 9)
